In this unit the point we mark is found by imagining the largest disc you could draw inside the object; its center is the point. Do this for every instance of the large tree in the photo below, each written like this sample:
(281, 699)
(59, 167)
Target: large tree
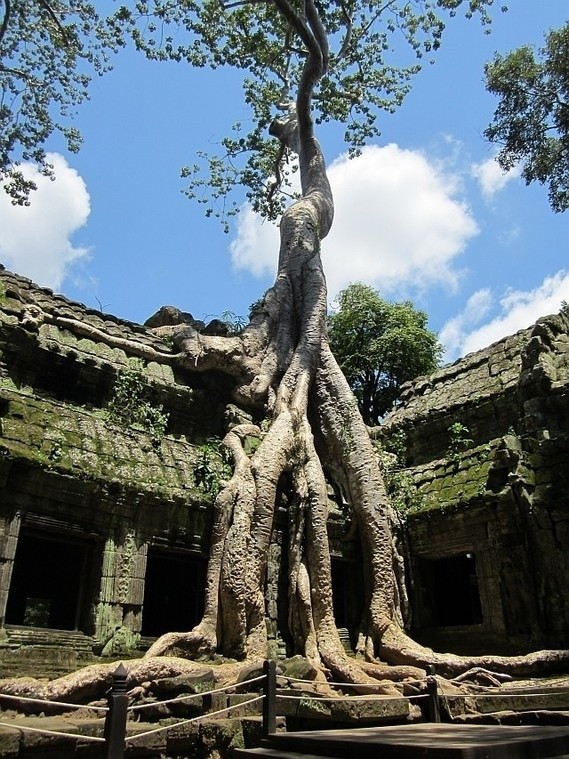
(318, 62)
(531, 121)
(379, 346)
(314, 62)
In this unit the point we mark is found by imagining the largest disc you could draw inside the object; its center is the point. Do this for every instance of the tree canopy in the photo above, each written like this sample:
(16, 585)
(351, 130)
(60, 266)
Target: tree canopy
(50, 49)
(531, 122)
(372, 51)
(49, 52)
(379, 346)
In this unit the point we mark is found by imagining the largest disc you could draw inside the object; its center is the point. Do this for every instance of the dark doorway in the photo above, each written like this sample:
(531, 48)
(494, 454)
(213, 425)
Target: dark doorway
(173, 592)
(348, 593)
(454, 590)
(47, 582)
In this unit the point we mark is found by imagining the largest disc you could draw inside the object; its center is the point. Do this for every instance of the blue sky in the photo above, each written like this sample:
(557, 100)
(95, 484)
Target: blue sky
(424, 213)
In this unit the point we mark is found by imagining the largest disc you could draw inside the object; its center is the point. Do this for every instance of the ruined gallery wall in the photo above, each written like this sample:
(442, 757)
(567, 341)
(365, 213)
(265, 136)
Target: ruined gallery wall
(487, 446)
(125, 513)
(104, 493)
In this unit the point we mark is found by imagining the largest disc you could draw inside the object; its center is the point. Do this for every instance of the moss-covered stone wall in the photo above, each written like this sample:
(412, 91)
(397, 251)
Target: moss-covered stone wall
(487, 449)
(73, 473)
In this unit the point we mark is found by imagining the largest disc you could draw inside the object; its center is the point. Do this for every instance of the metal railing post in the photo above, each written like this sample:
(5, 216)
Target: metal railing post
(115, 723)
(270, 698)
(433, 712)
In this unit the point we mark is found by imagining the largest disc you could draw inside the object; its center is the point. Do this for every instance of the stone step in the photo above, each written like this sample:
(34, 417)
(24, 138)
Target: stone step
(356, 709)
(43, 652)
(344, 635)
(40, 636)
(511, 699)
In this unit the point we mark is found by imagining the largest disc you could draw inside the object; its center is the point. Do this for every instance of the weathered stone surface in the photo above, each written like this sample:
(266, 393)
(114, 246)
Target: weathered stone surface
(68, 471)
(500, 496)
(198, 681)
(168, 316)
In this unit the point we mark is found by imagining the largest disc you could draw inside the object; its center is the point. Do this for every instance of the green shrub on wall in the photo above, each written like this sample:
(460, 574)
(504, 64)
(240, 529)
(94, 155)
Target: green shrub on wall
(131, 405)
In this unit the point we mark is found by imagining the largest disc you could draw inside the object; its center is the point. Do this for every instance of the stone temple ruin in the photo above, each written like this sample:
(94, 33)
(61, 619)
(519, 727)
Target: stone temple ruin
(104, 524)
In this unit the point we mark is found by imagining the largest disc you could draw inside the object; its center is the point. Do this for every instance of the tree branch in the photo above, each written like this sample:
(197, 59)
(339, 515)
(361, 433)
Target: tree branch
(348, 36)
(240, 3)
(47, 7)
(5, 20)
(320, 35)
(300, 26)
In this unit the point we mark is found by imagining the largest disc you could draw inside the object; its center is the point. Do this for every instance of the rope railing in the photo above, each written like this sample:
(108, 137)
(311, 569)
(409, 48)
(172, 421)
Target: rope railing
(227, 689)
(500, 695)
(45, 731)
(335, 699)
(116, 713)
(343, 685)
(27, 699)
(163, 728)
(25, 728)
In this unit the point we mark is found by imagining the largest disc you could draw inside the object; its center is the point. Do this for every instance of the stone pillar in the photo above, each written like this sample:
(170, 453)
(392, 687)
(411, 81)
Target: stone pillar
(9, 533)
(277, 648)
(119, 613)
(488, 572)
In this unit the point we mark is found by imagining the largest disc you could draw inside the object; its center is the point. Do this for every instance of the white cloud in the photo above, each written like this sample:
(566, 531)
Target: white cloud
(518, 309)
(256, 246)
(398, 224)
(491, 177)
(35, 241)
(453, 333)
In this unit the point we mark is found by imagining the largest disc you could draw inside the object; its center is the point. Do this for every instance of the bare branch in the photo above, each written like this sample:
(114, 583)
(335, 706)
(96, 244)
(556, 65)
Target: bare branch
(319, 32)
(348, 37)
(47, 7)
(377, 15)
(300, 26)
(275, 186)
(5, 20)
(240, 3)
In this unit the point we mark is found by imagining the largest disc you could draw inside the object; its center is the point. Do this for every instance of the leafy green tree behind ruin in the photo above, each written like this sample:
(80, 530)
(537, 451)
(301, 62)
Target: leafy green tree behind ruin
(531, 121)
(380, 345)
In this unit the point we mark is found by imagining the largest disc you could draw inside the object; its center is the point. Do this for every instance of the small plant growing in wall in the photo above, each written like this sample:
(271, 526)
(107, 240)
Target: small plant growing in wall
(212, 466)
(459, 441)
(400, 486)
(235, 323)
(56, 452)
(130, 404)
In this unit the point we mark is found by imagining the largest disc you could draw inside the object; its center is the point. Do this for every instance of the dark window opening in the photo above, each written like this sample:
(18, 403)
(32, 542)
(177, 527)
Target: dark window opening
(347, 593)
(48, 582)
(452, 593)
(65, 378)
(173, 592)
